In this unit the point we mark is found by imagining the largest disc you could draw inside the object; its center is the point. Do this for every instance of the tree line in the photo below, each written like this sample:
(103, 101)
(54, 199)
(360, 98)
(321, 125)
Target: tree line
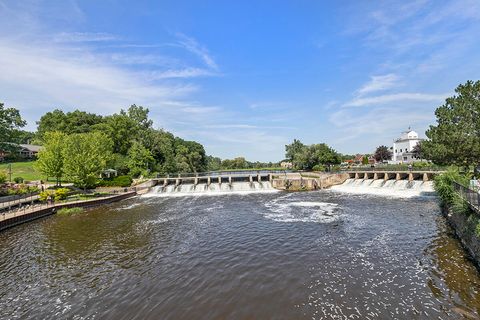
(78, 145)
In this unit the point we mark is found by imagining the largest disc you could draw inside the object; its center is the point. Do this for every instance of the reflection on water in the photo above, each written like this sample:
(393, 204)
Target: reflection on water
(320, 255)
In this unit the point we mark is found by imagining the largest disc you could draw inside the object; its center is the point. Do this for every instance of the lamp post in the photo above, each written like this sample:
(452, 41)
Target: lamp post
(10, 171)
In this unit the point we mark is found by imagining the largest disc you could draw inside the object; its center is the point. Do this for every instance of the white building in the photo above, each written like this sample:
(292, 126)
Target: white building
(403, 147)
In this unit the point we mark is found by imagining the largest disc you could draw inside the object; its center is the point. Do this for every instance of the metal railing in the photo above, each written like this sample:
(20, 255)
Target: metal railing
(472, 197)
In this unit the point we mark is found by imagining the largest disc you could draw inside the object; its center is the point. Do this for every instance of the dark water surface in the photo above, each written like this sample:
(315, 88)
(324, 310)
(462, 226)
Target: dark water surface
(316, 255)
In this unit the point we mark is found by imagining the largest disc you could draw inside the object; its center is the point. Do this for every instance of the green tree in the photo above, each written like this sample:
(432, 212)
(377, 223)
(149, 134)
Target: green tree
(85, 156)
(51, 157)
(10, 121)
(214, 163)
(382, 153)
(417, 150)
(455, 139)
(140, 159)
(306, 157)
(365, 160)
(71, 122)
(190, 156)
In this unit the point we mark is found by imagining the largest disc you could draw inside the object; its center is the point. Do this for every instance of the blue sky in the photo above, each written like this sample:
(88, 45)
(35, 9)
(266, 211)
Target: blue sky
(243, 78)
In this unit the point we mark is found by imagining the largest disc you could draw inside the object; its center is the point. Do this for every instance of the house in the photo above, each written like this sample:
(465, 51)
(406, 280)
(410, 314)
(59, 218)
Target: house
(358, 159)
(403, 147)
(25, 151)
(29, 150)
(286, 165)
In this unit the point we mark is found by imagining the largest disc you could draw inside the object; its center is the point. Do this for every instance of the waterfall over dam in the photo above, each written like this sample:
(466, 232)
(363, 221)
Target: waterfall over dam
(394, 188)
(211, 189)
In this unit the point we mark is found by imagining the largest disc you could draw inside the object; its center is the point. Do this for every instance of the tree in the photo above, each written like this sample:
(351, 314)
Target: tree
(365, 160)
(71, 122)
(85, 156)
(456, 137)
(214, 163)
(139, 159)
(382, 154)
(293, 149)
(51, 157)
(417, 151)
(306, 157)
(190, 156)
(10, 120)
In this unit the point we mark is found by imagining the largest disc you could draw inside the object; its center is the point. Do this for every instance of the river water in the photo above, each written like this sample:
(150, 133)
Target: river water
(310, 255)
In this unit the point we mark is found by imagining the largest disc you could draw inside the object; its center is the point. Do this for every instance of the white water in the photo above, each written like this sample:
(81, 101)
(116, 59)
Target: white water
(389, 188)
(212, 189)
(288, 209)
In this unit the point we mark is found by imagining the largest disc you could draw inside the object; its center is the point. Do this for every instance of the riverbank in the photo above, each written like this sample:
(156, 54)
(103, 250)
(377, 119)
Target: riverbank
(13, 218)
(466, 228)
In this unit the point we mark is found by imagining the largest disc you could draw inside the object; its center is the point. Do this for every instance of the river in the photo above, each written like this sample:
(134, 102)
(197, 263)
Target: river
(276, 255)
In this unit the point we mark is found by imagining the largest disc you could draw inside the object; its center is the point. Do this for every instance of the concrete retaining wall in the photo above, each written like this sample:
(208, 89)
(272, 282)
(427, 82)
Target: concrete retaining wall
(464, 226)
(297, 183)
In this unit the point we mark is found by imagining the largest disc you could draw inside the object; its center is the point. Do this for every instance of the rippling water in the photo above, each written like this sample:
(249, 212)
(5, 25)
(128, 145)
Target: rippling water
(316, 255)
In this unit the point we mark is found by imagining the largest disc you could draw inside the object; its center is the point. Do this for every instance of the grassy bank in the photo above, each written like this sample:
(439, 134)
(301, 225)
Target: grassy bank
(26, 170)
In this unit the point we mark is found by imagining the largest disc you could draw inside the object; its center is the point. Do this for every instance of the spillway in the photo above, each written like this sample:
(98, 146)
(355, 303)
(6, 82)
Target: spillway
(212, 189)
(393, 188)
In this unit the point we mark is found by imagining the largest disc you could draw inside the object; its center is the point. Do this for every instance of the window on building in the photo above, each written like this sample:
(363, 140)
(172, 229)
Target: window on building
(400, 150)
(405, 158)
(396, 151)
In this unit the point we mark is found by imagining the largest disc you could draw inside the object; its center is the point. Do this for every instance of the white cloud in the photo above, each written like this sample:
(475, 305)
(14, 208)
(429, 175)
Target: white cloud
(379, 83)
(398, 98)
(194, 47)
(50, 77)
(183, 73)
(84, 37)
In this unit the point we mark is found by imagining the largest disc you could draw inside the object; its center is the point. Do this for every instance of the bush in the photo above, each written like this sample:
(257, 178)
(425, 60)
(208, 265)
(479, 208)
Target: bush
(61, 194)
(318, 167)
(57, 195)
(3, 177)
(43, 196)
(70, 210)
(443, 185)
(18, 179)
(120, 181)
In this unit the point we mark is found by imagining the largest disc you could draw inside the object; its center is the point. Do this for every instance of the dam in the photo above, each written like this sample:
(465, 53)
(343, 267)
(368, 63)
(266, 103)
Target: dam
(270, 181)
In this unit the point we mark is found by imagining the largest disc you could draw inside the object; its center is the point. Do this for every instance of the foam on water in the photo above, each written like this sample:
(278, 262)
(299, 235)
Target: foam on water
(389, 188)
(203, 189)
(284, 210)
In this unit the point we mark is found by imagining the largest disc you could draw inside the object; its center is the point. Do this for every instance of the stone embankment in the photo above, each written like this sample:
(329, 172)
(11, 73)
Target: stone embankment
(308, 181)
(465, 226)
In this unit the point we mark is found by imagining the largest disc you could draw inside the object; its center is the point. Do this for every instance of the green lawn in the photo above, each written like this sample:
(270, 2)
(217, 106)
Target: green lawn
(25, 170)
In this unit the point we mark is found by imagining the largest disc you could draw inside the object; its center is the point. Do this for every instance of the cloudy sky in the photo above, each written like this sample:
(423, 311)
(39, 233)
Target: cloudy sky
(245, 77)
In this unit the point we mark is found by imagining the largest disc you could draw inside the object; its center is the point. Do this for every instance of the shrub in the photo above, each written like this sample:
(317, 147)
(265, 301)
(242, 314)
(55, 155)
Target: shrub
(18, 179)
(443, 185)
(70, 210)
(318, 167)
(3, 177)
(120, 181)
(61, 194)
(43, 196)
